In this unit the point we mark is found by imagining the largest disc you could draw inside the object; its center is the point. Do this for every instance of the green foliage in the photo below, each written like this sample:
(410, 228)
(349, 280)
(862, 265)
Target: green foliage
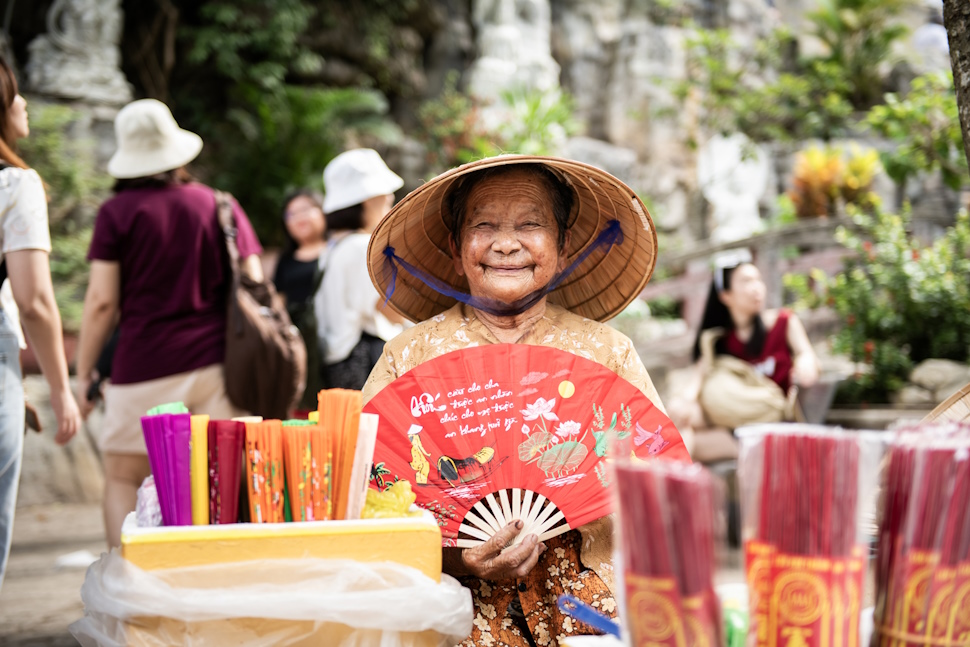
(75, 188)
(274, 142)
(860, 35)
(268, 133)
(900, 301)
(926, 128)
(538, 122)
(454, 131)
(69, 272)
(450, 129)
(727, 79)
(664, 307)
(254, 42)
(753, 90)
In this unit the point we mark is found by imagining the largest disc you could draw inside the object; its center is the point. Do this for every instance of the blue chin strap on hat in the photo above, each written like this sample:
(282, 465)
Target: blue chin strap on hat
(610, 236)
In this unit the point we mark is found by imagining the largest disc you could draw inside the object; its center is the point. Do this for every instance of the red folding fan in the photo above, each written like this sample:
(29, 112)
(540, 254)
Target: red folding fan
(487, 435)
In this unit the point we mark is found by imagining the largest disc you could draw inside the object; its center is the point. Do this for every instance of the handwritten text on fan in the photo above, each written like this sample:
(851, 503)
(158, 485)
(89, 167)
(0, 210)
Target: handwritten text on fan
(474, 401)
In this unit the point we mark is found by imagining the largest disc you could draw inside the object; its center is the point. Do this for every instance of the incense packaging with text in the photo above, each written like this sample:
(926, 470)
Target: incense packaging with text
(804, 495)
(668, 517)
(923, 550)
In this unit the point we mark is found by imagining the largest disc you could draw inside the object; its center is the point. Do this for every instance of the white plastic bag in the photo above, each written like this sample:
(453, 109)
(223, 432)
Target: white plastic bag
(282, 602)
(148, 510)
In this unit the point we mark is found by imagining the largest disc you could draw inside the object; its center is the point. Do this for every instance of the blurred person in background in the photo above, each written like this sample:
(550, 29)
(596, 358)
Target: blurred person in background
(773, 342)
(25, 245)
(160, 272)
(298, 276)
(353, 322)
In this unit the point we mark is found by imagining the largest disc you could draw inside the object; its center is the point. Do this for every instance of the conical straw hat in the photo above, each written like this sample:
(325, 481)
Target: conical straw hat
(419, 226)
(955, 408)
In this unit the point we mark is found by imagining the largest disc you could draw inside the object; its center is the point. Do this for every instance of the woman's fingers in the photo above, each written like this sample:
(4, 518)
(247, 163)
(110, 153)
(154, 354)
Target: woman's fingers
(501, 539)
(530, 562)
(490, 563)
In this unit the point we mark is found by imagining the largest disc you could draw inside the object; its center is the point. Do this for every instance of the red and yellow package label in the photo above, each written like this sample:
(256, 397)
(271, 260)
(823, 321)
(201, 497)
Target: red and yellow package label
(959, 630)
(654, 612)
(803, 601)
(927, 605)
(702, 620)
(939, 611)
(757, 560)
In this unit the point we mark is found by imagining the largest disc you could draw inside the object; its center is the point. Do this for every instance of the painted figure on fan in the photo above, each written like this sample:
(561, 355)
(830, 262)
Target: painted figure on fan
(419, 456)
(522, 251)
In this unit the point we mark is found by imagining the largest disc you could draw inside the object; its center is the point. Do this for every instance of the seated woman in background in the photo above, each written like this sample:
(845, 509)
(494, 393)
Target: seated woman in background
(773, 344)
(297, 276)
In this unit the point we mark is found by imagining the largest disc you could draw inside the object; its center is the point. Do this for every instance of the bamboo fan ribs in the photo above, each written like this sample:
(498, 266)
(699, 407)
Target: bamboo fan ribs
(493, 434)
(923, 563)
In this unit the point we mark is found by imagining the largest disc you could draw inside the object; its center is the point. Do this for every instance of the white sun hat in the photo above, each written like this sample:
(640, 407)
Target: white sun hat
(355, 176)
(150, 141)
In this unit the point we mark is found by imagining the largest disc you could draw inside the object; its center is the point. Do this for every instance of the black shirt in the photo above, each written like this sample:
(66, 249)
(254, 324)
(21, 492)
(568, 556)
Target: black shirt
(294, 278)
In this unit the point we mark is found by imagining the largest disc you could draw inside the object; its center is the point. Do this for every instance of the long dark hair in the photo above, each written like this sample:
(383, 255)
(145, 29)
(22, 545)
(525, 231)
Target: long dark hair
(175, 177)
(717, 315)
(313, 196)
(8, 92)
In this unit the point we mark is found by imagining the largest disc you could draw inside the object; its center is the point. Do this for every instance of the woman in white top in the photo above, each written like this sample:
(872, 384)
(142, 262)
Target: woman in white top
(352, 322)
(25, 244)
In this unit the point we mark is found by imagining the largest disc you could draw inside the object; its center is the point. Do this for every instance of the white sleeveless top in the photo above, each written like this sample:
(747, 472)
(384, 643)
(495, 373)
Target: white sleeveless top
(23, 223)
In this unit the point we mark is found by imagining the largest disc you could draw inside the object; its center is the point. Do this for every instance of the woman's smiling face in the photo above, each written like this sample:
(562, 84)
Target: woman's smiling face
(509, 238)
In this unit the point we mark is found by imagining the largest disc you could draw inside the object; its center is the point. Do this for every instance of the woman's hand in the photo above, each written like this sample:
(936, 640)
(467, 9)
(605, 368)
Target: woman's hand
(83, 388)
(804, 370)
(67, 414)
(488, 562)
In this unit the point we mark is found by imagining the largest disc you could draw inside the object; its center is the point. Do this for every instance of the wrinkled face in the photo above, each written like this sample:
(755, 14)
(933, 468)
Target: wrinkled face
(18, 118)
(509, 239)
(304, 220)
(746, 296)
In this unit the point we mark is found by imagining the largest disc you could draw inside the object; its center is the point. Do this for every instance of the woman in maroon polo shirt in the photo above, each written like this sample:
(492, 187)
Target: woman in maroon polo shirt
(159, 270)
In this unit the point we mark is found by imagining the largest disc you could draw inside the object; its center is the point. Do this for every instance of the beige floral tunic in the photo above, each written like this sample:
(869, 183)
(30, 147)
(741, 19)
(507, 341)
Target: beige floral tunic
(578, 562)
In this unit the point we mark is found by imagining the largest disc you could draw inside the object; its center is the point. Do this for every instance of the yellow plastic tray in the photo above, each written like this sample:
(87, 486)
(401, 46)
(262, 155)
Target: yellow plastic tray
(411, 541)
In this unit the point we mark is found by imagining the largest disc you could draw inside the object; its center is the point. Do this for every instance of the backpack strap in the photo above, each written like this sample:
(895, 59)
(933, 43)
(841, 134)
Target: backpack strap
(227, 222)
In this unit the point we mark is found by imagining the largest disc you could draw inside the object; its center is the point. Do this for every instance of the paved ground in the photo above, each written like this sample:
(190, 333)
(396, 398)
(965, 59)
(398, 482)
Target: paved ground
(40, 599)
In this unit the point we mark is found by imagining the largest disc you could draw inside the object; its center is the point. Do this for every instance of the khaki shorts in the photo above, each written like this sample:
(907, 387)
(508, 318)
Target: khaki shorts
(202, 390)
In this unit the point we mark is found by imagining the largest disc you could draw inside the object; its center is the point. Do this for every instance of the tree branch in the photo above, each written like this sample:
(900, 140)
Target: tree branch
(956, 18)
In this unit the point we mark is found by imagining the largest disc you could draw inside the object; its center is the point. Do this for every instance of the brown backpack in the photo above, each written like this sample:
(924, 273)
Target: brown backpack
(265, 363)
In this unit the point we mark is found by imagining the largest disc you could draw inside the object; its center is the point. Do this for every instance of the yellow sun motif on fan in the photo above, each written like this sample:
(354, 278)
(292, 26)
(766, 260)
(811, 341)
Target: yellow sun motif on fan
(567, 389)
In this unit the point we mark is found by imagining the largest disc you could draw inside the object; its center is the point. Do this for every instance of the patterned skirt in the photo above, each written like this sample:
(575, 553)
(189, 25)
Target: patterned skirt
(498, 622)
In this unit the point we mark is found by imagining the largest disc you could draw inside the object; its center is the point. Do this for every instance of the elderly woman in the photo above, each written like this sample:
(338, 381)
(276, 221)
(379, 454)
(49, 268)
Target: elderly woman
(534, 251)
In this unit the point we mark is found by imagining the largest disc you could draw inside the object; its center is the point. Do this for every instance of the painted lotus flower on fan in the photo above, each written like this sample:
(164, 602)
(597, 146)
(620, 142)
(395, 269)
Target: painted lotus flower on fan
(541, 408)
(568, 429)
(478, 462)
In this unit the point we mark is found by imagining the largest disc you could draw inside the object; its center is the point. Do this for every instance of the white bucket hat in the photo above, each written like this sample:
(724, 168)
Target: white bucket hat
(150, 141)
(355, 176)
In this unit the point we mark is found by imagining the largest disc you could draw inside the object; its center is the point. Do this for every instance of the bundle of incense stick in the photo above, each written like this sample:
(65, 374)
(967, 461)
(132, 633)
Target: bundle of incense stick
(200, 470)
(923, 550)
(339, 415)
(264, 471)
(802, 531)
(226, 439)
(667, 515)
(168, 441)
(307, 457)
